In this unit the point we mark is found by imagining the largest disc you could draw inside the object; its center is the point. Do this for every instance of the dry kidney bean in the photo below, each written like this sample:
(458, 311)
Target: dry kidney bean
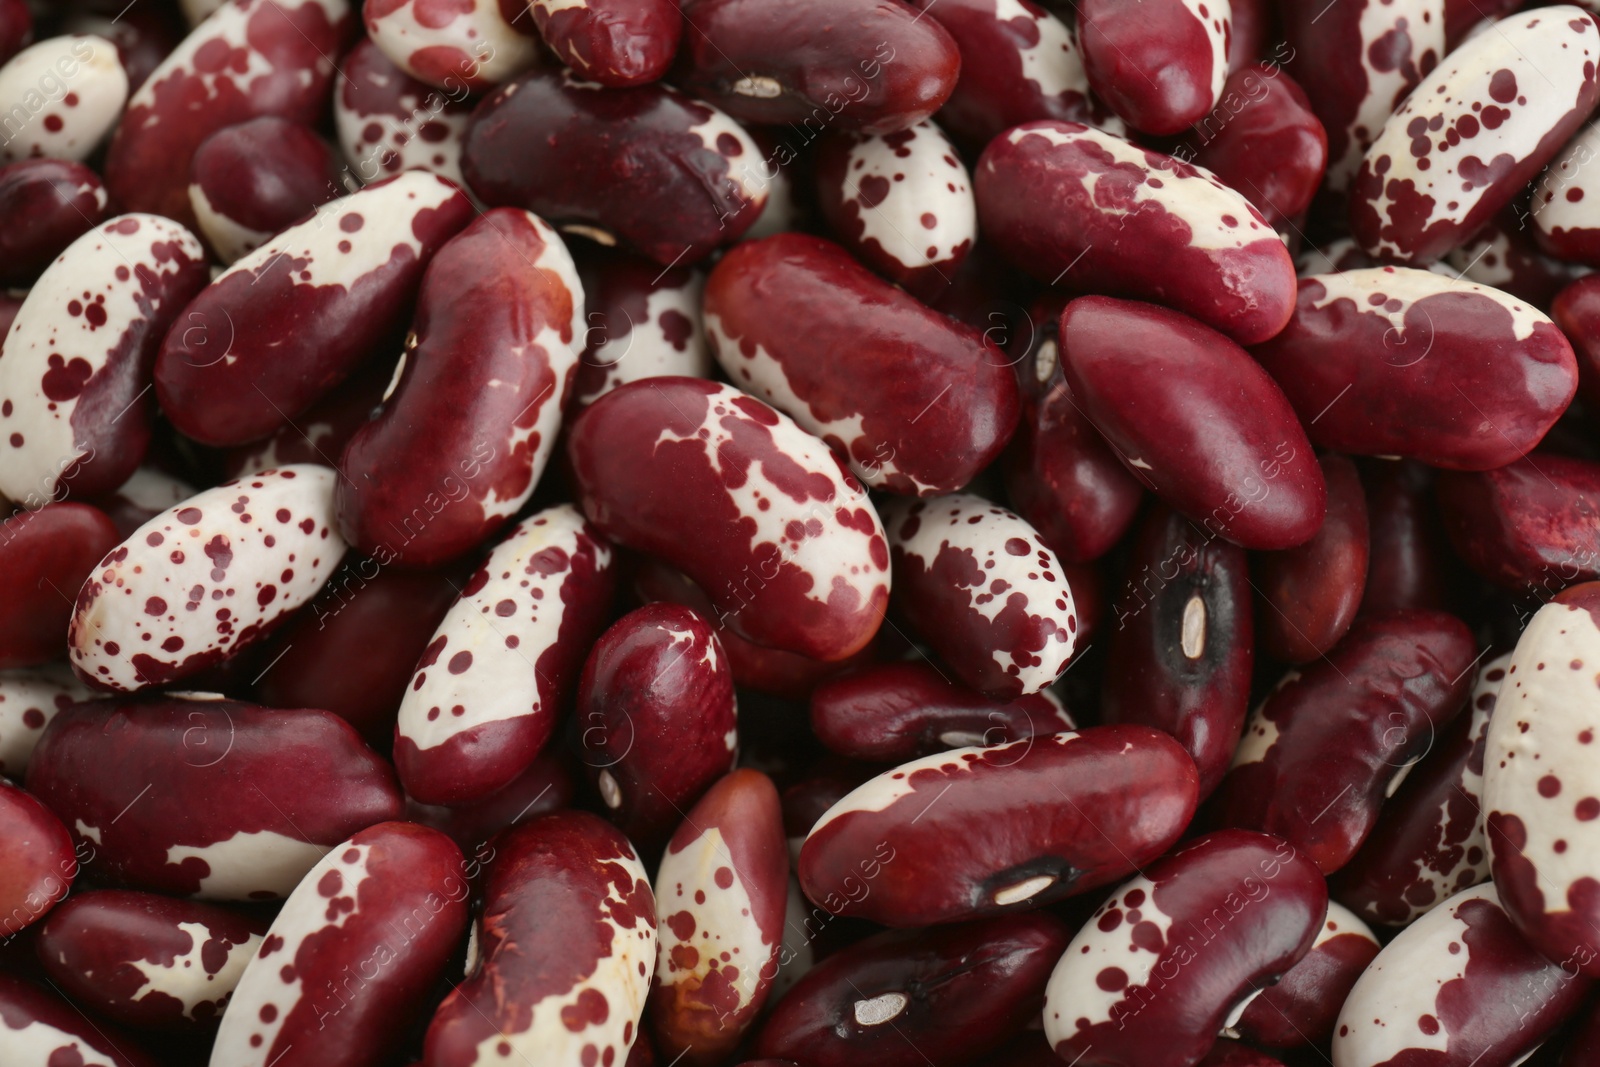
(40, 862)
(1266, 142)
(459, 47)
(29, 699)
(1532, 526)
(38, 1026)
(1407, 564)
(47, 205)
(1159, 65)
(149, 961)
(643, 322)
(71, 126)
(251, 181)
(1229, 1053)
(1302, 1007)
(1576, 310)
(44, 557)
(1563, 224)
(617, 43)
(1462, 18)
(549, 784)
(388, 121)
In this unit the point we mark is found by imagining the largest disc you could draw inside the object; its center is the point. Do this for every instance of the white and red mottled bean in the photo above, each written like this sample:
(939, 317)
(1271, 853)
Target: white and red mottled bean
(65, 94)
(388, 121)
(468, 44)
(29, 698)
(643, 322)
(1565, 208)
(38, 1028)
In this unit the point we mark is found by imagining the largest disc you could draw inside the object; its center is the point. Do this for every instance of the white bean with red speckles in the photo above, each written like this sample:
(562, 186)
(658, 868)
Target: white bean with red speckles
(490, 49)
(64, 95)
(912, 195)
(29, 699)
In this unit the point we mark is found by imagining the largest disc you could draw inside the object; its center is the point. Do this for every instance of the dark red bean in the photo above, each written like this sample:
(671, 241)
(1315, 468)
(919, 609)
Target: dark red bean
(617, 43)
(549, 784)
(40, 863)
(1263, 140)
(47, 205)
(38, 1026)
(642, 322)
(1532, 526)
(1461, 16)
(1406, 568)
(250, 182)
(1253, 22)
(1302, 1007)
(1576, 309)
(45, 556)
(85, 115)
(819, 788)
(1160, 65)
(388, 121)
(16, 27)
(1226, 1053)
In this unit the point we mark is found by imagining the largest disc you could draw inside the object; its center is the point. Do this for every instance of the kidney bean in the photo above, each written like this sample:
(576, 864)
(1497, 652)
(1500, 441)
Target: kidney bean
(552, 144)
(38, 1026)
(547, 785)
(88, 74)
(387, 121)
(916, 861)
(1264, 140)
(294, 318)
(148, 961)
(1319, 755)
(1503, 256)
(1303, 1006)
(1406, 567)
(1429, 844)
(1313, 591)
(618, 43)
(1532, 526)
(644, 322)
(565, 950)
(1182, 951)
(47, 204)
(72, 402)
(432, 42)
(144, 35)
(40, 863)
(1514, 97)
(955, 557)
(16, 27)
(1059, 198)
(207, 797)
(387, 908)
(254, 57)
(1340, 254)
(252, 181)
(166, 603)
(1238, 463)
(1463, 18)
(655, 706)
(491, 683)
(816, 536)
(854, 392)
(907, 997)
(1576, 310)
(722, 891)
(1394, 361)
(29, 699)
(45, 556)
(821, 785)
(1461, 984)
(1161, 66)
(1182, 653)
(321, 433)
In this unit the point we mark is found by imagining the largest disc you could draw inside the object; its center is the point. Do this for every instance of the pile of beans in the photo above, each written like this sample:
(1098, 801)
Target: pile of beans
(799, 533)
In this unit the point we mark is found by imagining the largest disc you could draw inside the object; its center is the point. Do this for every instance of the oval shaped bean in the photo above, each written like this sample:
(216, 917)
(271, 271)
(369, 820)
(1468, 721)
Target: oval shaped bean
(643, 322)
(798, 542)
(1320, 753)
(387, 121)
(617, 43)
(460, 46)
(294, 318)
(47, 205)
(40, 862)
(1302, 1007)
(844, 375)
(73, 409)
(1077, 207)
(86, 88)
(1264, 141)
(249, 182)
(1473, 132)
(1562, 224)
(1153, 976)
(1012, 829)
(1394, 361)
(1532, 526)
(1409, 557)
(45, 556)
(38, 1027)
(1159, 65)
(29, 699)
(1464, 18)
(1195, 419)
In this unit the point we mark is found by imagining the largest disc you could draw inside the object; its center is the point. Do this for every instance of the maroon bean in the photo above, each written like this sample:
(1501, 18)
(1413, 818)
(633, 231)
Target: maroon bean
(1461, 16)
(617, 43)
(16, 27)
(1264, 141)
(1226, 1053)
(208, 797)
(552, 143)
(47, 204)
(250, 182)
(321, 433)
(1406, 569)
(1583, 1046)
(548, 784)
(1059, 198)
(294, 318)
(40, 863)
(1393, 361)
(256, 57)
(1159, 65)
(431, 42)
(1253, 22)
(1303, 1006)
(1171, 941)
(473, 412)
(843, 375)
(29, 699)
(823, 785)
(1312, 592)
(892, 853)
(388, 121)
(908, 998)
(1532, 527)
(565, 949)
(38, 1026)
(1321, 752)
(148, 961)
(1237, 462)
(643, 322)
(1183, 649)
(45, 556)
(1576, 310)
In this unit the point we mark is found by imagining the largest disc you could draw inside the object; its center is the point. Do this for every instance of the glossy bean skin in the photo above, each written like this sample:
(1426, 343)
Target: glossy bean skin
(884, 853)
(40, 862)
(486, 693)
(1532, 526)
(1407, 564)
(392, 899)
(44, 556)
(852, 389)
(468, 46)
(617, 43)
(1174, 951)
(566, 948)
(1161, 66)
(1302, 1007)
(1514, 96)
(813, 566)
(1461, 983)
(72, 126)
(955, 558)
(551, 143)
(898, 712)
(656, 710)
(255, 57)
(1074, 206)
(294, 318)
(1183, 648)
(1312, 592)
(1457, 375)
(249, 182)
(235, 801)
(1264, 140)
(38, 1026)
(642, 322)
(1320, 752)
(1429, 845)
(776, 65)
(29, 699)
(148, 961)
(722, 891)
(1576, 310)
(956, 992)
(74, 411)
(387, 121)
(474, 411)
(204, 579)
(47, 205)
(1237, 462)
